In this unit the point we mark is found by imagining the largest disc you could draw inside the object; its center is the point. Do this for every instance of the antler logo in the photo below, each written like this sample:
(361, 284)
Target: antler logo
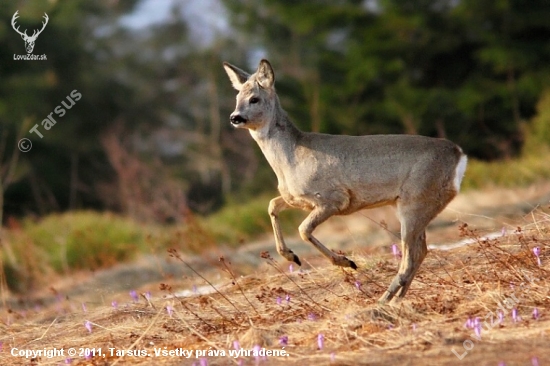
(29, 40)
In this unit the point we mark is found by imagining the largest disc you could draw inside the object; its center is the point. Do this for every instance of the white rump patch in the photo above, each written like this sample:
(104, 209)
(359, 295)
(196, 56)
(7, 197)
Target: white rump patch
(459, 172)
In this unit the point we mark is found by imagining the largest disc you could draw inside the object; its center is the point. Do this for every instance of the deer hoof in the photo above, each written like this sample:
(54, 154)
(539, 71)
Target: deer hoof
(344, 262)
(291, 257)
(384, 299)
(295, 259)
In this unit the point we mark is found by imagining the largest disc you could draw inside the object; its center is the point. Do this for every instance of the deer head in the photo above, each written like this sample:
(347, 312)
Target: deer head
(29, 41)
(256, 100)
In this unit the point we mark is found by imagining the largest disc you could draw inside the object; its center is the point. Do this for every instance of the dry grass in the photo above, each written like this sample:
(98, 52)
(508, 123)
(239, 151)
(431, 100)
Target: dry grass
(338, 303)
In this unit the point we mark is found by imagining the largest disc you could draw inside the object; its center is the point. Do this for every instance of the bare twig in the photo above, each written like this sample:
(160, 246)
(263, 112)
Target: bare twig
(228, 269)
(174, 253)
(43, 334)
(272, 263)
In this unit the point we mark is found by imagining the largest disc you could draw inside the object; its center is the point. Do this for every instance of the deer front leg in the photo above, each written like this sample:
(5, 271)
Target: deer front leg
(314, 219)
(277, 205)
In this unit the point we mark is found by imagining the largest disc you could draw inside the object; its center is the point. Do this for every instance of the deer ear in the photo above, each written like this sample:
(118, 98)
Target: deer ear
(265, 75)
(237, 76)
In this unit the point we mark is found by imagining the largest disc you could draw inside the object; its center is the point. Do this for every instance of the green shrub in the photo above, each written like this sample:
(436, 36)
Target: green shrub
(85, 239)
(518, 172)
(240, 221)
(532, 166)
(538, 131)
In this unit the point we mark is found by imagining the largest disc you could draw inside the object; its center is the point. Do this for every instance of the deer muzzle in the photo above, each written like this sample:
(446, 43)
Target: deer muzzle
(237, 119)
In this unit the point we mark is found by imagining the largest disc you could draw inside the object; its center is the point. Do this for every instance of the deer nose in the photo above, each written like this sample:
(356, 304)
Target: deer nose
(237, 119)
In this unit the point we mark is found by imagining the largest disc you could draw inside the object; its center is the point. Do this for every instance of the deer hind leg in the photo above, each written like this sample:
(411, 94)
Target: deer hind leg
(413, 238)
(413, 257)
(277, 205)
(314, 219)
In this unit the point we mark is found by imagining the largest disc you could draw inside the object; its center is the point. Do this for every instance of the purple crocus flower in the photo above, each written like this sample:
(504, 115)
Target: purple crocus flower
(279, 300)
(469, 323)
(287, 298)
(312, 316)
(204, 362)
(148, 295)
(291, 268)
(515, 316)
(236, 345)
(169, 310)
(332, 357)
(114, 304)
(477, 330)
(283, 341)
(536, 314)
(395, 250)
(535, 361)
(536, 252)
(358, 285)
(134, 295)
(500, 316)
(256, 352)
(88, 325)
(320, 340)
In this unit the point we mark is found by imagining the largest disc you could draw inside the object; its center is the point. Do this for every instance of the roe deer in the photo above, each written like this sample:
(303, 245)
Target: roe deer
(338, 175)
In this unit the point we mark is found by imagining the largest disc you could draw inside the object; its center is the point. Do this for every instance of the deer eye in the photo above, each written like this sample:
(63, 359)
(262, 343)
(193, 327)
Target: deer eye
(254, 100)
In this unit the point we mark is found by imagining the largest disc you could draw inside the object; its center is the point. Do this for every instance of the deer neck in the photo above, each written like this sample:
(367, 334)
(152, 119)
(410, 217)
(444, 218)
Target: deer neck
(278, 141)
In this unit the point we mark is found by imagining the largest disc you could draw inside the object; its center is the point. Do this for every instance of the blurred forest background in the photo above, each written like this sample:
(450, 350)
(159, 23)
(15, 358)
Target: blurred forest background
(150, 137)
